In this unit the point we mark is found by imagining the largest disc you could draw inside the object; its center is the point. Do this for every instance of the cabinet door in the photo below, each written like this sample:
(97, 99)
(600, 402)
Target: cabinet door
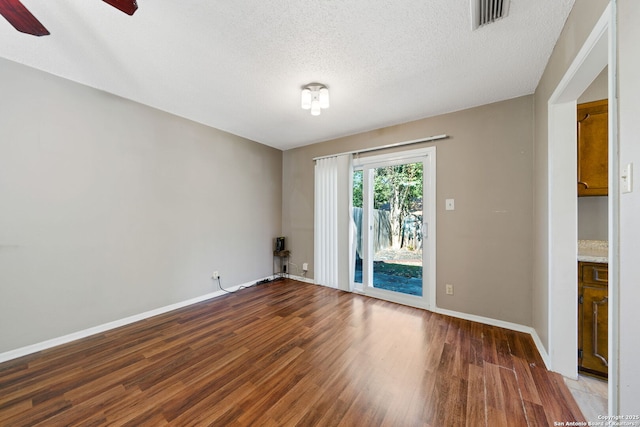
(593, 148)
(594, 333)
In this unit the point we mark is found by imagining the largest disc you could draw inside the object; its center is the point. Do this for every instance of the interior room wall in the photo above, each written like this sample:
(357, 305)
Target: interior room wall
(598, 90)
(484, 246)
(593, 215)
(579, 24)
(629, 107)
(110, 208)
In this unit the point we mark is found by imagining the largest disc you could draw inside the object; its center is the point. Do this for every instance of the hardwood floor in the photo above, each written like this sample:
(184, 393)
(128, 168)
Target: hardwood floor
(289, 353)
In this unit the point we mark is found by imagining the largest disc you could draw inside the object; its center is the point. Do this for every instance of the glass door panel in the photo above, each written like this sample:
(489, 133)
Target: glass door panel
(356, 211)
(396, 235)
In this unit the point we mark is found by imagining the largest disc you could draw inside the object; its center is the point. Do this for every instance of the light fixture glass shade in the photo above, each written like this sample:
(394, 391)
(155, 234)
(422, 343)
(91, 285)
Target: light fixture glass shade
(315, 107)
(324, 97)
(306, 98)
(314, 97)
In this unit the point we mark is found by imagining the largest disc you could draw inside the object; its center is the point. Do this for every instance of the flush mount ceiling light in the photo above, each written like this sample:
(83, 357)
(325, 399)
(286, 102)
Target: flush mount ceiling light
(315, 97)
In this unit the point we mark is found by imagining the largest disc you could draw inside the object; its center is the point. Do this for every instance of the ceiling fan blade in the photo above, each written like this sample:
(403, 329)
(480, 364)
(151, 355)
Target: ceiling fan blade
(127, 6)
(21, 19)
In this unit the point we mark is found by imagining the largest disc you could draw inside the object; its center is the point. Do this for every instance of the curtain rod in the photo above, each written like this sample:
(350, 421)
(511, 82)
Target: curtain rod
(382, 147)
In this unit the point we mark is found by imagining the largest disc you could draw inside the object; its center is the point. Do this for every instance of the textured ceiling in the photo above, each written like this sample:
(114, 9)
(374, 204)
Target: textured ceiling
(239, 65)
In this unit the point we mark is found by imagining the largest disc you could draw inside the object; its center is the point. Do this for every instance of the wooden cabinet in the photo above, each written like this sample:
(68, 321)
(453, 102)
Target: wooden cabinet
(593, 315)
(593, 148)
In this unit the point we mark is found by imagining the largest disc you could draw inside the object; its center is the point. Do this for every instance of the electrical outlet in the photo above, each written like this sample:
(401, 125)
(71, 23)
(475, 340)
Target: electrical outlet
(449, 289)
(215, 275)
(305, 266)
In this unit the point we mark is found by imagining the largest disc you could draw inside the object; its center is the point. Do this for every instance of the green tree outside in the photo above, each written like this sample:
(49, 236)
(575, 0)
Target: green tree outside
(397, 189)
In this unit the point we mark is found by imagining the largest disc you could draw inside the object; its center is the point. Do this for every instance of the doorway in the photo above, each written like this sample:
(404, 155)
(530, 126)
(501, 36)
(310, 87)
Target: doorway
(597, 52)
(394, 213)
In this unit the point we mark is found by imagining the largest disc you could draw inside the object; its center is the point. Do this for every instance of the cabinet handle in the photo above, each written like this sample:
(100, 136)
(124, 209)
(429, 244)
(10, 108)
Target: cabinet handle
(596, 275)
(583, 183)
(595, 330)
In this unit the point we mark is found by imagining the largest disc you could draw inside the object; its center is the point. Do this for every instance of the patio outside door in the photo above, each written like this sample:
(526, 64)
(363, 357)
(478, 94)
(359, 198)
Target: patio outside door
(393, 202)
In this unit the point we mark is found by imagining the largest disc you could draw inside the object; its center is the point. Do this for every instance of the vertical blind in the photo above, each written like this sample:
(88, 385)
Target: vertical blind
(332, 221)
(326, 222)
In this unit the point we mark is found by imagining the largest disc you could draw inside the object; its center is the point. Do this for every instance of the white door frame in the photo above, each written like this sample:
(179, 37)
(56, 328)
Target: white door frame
(428, 157)
(597, 52)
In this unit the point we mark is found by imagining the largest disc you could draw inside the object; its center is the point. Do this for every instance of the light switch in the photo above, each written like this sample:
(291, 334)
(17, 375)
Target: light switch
(626, 178)
(450, 204)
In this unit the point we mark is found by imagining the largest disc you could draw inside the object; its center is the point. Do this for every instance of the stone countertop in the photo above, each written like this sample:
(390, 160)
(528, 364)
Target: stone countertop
(593, 251)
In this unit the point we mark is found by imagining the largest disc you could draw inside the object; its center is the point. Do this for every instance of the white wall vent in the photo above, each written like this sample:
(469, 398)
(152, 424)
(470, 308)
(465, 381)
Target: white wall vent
(484, 12)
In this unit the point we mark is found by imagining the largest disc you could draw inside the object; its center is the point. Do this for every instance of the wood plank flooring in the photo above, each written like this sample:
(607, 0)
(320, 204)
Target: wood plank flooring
(285, 354)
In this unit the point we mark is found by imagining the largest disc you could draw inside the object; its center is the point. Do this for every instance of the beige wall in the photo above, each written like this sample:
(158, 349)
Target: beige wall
(629, 104)
(581, 20)
(110, 208)
(593, 216)
(598, 90)
(484, 246)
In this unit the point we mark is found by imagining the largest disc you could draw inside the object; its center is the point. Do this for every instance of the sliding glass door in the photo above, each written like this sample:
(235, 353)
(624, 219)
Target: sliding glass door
(393, 209)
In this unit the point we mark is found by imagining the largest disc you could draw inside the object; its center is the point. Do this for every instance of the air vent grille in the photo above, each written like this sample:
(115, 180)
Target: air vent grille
(484, 12)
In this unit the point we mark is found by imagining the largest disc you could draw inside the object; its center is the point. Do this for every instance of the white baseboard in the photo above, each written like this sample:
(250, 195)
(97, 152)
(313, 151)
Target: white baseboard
(302, 279)
(543, 351)
(34, 348)
(501, 324)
